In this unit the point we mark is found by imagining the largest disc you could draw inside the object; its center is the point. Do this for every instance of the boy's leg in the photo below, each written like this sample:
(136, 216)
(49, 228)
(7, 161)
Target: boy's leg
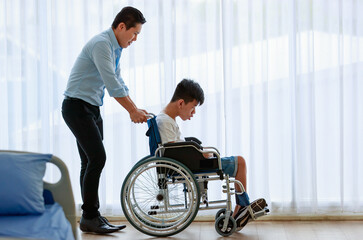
(241, 175)
(236, 167)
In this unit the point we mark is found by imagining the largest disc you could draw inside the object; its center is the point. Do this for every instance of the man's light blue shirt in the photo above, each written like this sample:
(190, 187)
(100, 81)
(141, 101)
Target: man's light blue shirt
(97, 67)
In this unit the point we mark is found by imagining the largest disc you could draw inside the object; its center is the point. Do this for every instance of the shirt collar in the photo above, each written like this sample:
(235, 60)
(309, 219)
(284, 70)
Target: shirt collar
(113, 39)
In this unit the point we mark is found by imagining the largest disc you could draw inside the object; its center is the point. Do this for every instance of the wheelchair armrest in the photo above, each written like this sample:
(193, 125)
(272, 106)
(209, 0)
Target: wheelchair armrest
(191, 154)
(181, 144)
(193, 139)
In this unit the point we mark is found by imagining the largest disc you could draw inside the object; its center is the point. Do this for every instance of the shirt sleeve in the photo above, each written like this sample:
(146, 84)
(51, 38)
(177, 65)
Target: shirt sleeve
(120, 80)
(102, 57)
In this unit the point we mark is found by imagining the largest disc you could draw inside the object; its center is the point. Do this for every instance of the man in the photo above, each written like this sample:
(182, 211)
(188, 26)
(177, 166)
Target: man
(96, 68)
(187, 96)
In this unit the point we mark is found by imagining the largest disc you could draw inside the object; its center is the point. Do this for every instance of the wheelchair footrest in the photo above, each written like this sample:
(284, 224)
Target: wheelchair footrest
(261, 213)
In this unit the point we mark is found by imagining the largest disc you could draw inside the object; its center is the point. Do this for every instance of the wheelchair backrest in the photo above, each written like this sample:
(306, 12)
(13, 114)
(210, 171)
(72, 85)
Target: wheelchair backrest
(153, 134)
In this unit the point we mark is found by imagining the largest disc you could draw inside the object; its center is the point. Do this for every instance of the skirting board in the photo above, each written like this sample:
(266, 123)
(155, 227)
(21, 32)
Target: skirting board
(210, 218)
(296, 218)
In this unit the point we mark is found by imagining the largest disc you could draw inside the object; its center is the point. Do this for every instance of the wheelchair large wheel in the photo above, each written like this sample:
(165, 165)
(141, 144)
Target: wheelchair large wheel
(160, 196)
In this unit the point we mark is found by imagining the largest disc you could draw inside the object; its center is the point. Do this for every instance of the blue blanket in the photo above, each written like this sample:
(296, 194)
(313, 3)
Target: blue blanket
(52, 224)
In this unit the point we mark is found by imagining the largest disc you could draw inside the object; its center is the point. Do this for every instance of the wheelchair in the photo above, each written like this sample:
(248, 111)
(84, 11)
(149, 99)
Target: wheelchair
(163, 192)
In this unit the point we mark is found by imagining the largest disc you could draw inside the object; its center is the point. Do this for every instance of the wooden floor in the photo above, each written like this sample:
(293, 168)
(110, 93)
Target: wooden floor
(259, 230)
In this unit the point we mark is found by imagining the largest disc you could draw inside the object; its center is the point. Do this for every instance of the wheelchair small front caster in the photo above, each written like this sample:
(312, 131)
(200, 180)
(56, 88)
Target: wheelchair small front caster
(231, 225)
(221, 212)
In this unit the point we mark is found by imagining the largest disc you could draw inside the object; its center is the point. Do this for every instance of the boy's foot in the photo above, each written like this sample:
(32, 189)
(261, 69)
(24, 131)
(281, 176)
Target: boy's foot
(243, 216)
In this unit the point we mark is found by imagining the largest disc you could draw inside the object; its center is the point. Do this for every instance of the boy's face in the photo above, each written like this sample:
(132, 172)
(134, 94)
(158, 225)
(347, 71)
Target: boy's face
(126, 37)
(187, 110)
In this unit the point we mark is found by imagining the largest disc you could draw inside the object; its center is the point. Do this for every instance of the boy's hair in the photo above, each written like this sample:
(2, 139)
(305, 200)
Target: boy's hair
(130, 16)
(188, 90)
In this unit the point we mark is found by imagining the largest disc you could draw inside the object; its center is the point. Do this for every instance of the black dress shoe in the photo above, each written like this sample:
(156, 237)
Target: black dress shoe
(120, 227)
(95, 225)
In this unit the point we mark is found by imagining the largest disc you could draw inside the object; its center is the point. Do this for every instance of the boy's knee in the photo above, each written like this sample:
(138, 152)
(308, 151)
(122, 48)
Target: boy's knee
(242, 162)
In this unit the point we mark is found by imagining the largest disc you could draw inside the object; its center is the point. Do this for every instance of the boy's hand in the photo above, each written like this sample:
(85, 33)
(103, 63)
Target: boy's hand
(207, 155)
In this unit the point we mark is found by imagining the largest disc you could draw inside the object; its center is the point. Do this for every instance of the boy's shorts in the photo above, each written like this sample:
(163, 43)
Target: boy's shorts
(230, 165)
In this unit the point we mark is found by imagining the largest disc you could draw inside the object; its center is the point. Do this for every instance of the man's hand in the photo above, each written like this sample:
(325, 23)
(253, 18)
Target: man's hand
(138, 116)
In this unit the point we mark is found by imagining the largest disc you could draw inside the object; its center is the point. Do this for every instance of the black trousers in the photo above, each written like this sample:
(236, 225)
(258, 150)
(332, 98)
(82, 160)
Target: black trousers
(85, 122)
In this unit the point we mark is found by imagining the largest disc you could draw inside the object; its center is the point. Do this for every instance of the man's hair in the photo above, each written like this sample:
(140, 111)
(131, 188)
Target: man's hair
(188, 90)
(130, 16)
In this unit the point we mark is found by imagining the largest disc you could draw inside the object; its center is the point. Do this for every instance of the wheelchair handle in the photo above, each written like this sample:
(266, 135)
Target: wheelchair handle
(150, 115)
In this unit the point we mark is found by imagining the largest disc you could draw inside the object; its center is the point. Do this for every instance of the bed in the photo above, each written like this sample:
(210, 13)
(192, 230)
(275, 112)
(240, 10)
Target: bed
(31, 207)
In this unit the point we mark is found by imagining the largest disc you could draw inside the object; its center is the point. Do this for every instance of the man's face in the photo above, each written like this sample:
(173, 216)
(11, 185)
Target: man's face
(126, 37)
(187, 110)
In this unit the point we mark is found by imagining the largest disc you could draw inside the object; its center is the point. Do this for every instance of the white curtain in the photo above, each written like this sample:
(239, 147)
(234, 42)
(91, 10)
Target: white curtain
(282, 79)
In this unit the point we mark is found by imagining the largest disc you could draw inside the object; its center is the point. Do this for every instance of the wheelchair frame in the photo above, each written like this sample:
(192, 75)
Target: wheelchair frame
(201, 179)
(161, 196)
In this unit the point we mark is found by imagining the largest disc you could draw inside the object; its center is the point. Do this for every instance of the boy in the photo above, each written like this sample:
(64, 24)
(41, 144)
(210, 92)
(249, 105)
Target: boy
(187, 96)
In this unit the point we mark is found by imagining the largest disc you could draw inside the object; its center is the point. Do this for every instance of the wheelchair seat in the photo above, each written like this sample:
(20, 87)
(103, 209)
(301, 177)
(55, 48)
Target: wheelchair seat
(187, 152)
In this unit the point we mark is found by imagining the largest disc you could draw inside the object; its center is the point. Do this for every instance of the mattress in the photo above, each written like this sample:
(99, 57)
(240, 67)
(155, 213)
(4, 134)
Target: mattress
(52, 225)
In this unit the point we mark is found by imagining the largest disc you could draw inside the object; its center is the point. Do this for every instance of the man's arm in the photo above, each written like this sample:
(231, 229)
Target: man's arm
(137, 115)
(102, 58)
